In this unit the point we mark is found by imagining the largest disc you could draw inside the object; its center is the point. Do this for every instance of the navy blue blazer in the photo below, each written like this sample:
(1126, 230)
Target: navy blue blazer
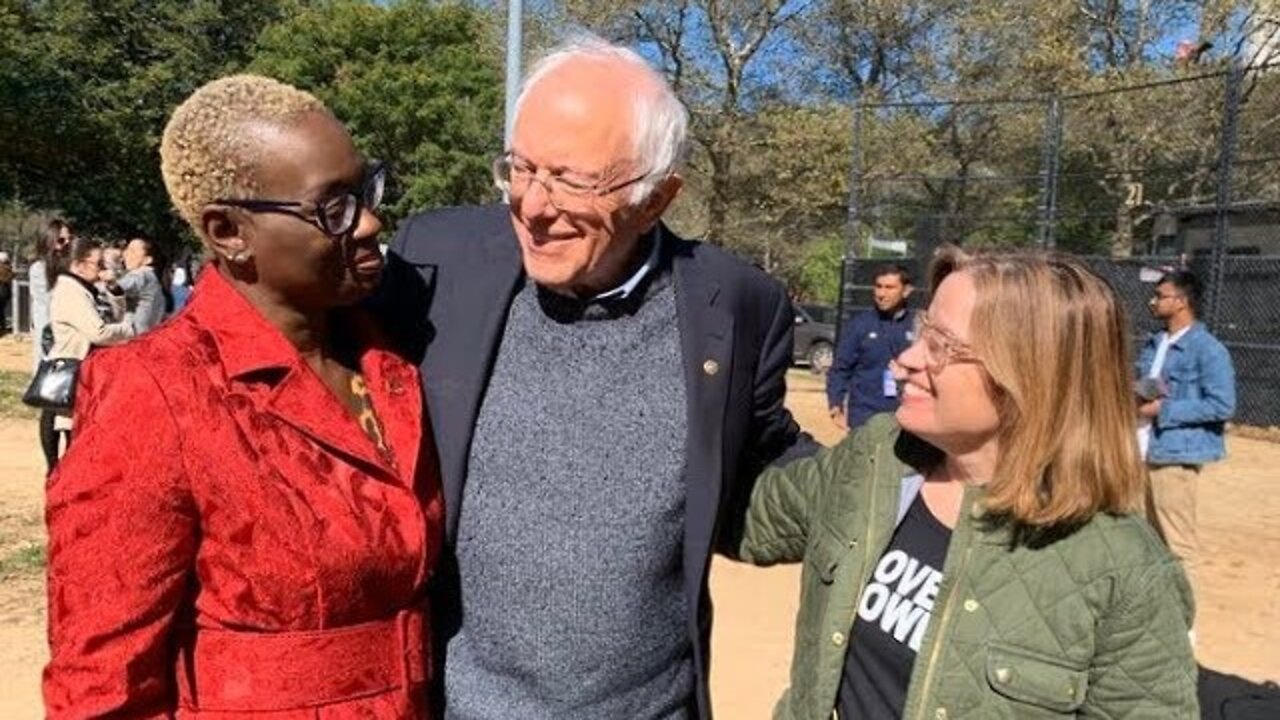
(450, 279)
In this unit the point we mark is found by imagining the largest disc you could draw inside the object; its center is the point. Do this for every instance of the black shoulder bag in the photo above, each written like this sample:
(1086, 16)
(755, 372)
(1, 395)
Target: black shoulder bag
(54, 386)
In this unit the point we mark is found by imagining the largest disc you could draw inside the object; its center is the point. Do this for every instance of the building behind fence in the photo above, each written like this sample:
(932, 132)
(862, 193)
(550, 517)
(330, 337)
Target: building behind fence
(1137, 181)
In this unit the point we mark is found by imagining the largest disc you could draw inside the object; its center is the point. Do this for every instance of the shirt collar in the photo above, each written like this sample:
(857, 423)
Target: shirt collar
(1175, 337)
(624, 290)
(896, 316)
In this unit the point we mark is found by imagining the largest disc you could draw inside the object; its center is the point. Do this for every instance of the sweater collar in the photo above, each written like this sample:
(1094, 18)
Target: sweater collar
(627, 299)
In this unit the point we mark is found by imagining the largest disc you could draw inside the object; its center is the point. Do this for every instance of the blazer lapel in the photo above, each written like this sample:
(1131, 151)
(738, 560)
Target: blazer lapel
(248, 346)
(469, 310)
(302, 401)
(706, 337)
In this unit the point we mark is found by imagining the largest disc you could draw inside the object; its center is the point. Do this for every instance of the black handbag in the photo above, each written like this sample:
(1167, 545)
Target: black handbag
(54, 386)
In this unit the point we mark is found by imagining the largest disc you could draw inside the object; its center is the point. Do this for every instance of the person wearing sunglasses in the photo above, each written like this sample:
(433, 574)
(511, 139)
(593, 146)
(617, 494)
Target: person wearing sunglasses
(248, 518)
(981, 553)
(46, 260)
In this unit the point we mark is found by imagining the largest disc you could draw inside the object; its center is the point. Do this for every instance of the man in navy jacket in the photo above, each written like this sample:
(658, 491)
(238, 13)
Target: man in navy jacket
(859, 384)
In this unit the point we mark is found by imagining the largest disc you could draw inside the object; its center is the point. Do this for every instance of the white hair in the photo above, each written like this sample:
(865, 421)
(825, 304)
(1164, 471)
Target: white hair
(660, 124)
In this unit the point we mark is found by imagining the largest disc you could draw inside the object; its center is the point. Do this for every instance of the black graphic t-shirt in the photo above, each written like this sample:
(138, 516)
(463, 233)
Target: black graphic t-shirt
(892, 616)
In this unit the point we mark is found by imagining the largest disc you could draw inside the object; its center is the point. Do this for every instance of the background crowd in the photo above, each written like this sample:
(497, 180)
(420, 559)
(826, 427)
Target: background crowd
(85, 293)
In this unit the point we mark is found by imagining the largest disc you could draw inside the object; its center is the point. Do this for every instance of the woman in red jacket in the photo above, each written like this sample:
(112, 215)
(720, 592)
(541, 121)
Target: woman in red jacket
(247, 520)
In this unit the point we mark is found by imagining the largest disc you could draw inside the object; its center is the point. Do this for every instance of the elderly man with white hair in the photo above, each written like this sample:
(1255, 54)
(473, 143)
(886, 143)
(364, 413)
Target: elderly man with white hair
(602, 393)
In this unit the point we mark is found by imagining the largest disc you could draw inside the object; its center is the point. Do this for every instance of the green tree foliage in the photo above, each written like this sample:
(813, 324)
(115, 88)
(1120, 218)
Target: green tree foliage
(37, 106)
(818, 277)
(95, 84)
(724, 59)
(975, 167)
(791, 185)
(87, 86)
(418, 83)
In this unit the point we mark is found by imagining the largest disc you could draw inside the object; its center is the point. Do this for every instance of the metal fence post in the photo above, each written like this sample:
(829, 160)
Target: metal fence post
(855, 182)
(928, 237)
(845, 270)
(515, 48)
(853, 215)
(1049, 172)
(1222, 220)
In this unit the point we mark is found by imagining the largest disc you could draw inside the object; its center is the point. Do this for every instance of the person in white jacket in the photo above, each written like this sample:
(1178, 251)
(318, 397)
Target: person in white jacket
(84, 316)
(56, 237)
(49, 248)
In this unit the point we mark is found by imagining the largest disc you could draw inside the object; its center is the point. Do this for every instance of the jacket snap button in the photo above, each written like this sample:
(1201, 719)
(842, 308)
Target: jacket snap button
(837, 638)
(940, 713)
(711, 367)
(970, 605)
(1002, 675)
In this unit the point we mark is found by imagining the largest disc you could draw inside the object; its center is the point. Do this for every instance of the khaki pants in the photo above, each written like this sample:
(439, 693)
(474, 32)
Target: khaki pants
(1171, 508)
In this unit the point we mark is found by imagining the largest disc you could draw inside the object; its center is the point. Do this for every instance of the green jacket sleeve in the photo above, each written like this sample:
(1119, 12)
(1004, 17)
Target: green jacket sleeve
(787, 501)
(1144, 666)
(775, 526)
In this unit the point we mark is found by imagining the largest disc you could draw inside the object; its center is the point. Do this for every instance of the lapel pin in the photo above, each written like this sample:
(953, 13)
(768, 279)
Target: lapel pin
(711, 367)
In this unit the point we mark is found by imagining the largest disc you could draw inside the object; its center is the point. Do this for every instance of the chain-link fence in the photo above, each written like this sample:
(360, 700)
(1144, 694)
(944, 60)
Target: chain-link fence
(1183, 172)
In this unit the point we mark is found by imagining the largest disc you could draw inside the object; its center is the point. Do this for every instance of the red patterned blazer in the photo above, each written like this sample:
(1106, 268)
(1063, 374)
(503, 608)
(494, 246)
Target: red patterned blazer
(225, 540)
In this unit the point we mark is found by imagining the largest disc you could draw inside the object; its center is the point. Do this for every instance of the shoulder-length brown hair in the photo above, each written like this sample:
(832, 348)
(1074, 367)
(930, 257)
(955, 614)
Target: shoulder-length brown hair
(1054, 340)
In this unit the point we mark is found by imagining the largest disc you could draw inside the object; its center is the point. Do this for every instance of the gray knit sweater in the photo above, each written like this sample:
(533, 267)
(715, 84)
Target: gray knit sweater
(572, 519)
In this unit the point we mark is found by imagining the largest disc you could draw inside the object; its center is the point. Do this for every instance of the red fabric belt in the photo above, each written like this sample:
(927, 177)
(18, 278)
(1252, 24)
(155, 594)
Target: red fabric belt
(222, 670)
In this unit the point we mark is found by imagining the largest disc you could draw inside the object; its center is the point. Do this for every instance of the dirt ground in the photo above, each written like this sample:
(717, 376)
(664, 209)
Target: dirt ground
(1238, 625)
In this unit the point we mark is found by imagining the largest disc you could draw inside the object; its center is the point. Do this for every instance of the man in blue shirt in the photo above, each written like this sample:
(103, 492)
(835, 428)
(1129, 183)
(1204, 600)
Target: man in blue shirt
(1186, 393)
(859, 384)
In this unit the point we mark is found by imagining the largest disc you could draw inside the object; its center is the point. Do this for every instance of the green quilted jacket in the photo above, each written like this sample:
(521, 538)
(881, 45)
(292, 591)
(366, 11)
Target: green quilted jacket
(1089, 623)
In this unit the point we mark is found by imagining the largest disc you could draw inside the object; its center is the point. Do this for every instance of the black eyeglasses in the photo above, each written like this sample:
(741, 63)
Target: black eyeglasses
(335, 216)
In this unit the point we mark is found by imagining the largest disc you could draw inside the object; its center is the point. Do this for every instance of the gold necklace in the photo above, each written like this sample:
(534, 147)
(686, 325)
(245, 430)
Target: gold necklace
(368, 419)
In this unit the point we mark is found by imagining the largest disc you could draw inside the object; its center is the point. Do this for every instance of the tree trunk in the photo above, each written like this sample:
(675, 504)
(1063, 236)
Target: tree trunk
(721, 191)
(1122, 239)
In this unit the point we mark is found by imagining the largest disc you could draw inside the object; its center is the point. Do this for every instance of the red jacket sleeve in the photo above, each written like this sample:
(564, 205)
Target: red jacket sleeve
(122, 541)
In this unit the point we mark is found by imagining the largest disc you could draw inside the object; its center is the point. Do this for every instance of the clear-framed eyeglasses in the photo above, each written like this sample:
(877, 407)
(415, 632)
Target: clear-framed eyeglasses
(514, 176)
(336, 215)
(941, 346)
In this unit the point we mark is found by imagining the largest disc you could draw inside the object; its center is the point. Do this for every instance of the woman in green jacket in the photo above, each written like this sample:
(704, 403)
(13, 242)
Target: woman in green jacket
(985, 561)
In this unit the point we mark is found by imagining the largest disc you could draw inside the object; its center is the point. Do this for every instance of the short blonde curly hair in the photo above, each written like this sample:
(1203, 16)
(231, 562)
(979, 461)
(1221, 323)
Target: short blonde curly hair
(208, 152)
